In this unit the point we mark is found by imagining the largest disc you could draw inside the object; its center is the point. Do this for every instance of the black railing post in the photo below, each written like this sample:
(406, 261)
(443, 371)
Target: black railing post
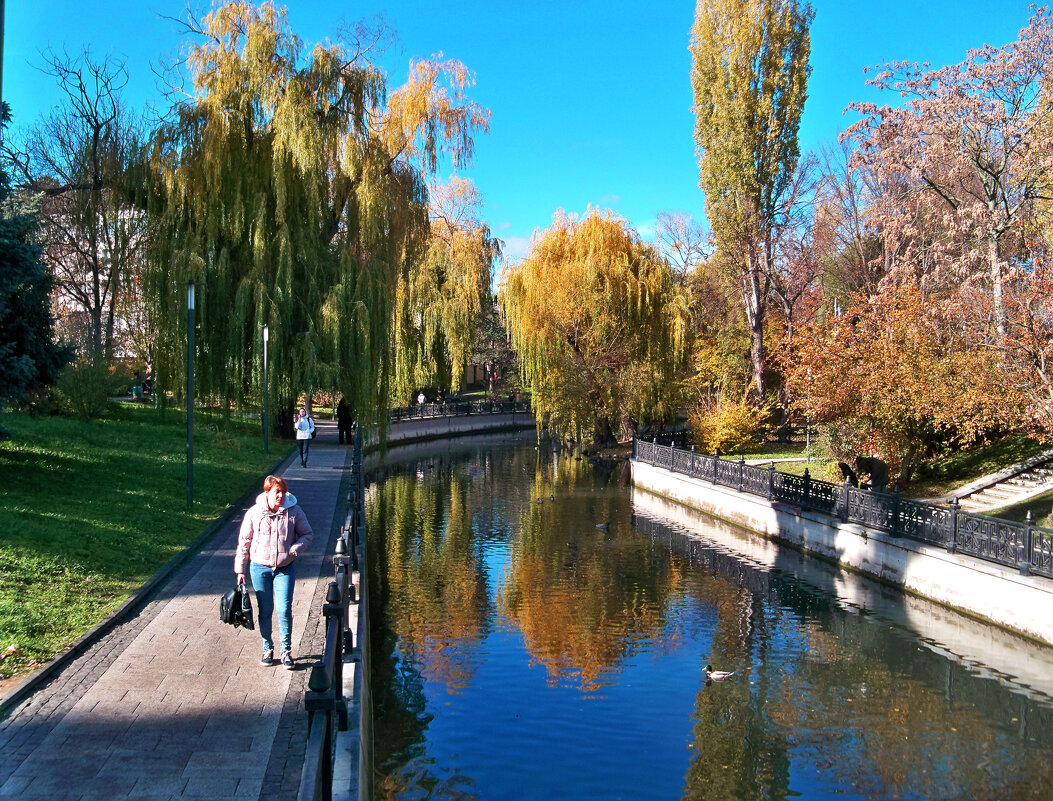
(742, 471)
(716, 460)
(342, 562)
(771, 480)
(806, 489)
(654, 451)
(1024, 547)
(846, 487)
(694, 471)
(318, 701)
(952, 543)
(895, 510)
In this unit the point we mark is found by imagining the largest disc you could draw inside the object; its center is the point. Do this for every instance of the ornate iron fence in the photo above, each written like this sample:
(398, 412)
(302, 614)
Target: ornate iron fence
(459, 409)
(1023, 546)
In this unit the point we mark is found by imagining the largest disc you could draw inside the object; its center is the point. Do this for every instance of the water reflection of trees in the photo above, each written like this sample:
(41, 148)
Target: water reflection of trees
(910, 723)
(826, 696)
(582, 592)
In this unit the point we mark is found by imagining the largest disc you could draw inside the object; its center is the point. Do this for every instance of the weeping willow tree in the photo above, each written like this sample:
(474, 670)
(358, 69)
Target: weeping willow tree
(439, 301)
(291, 189)
(599, 325)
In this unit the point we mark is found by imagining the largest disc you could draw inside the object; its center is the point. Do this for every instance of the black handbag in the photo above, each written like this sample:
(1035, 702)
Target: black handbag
(235, 608)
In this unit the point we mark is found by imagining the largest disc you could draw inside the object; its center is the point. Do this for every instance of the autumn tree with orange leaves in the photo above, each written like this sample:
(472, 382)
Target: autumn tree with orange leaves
(902, 371)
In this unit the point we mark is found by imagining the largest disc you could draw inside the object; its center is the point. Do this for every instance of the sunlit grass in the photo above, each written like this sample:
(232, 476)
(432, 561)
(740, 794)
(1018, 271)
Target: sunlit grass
(1041, 508)
(93, 509)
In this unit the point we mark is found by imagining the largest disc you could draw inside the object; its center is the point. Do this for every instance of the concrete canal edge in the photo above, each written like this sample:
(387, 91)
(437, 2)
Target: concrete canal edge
(425, 429)
(994, 594)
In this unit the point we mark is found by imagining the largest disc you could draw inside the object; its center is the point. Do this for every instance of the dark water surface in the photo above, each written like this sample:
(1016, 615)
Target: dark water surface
(556, 650)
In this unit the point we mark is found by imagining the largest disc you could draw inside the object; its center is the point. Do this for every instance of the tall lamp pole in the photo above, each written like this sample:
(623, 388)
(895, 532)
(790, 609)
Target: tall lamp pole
(190, 393)
(266, 394)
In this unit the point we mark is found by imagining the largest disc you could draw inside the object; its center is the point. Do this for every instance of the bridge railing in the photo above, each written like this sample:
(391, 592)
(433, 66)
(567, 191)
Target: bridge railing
(456, 409)
(1023, 546)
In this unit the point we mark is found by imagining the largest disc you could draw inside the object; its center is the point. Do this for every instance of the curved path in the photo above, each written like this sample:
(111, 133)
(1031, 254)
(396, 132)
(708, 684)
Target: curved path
(171, 704)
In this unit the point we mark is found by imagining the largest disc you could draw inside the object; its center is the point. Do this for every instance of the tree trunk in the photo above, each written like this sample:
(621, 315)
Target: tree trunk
(996, 284)
(602, 435)
(628, 427)
(906, 465)
(757, 357)
(755, 297)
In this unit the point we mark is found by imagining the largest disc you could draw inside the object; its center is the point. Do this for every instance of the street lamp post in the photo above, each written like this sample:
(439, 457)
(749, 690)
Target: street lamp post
(190, 393)
(266, 418)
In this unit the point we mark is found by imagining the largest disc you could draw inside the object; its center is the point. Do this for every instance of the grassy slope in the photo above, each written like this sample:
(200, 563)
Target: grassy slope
(94, 509)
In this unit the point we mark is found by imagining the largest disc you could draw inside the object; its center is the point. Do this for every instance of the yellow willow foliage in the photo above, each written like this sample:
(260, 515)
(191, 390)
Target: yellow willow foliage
(598, 323)
(439, 301)
(292, 192)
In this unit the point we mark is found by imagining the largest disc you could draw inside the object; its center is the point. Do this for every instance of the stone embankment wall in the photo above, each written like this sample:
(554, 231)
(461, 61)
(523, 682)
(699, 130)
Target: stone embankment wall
(999, 595)
(440, 427)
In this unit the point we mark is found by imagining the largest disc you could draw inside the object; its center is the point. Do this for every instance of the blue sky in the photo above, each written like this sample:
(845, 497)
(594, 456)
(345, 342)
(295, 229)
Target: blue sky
(591, 99)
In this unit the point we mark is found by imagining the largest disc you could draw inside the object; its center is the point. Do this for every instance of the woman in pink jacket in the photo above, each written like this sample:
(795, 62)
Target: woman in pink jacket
(274, 532)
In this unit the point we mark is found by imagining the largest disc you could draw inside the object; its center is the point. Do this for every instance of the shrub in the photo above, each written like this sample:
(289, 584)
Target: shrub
(86, 386)
(842, 440)
(727, 425)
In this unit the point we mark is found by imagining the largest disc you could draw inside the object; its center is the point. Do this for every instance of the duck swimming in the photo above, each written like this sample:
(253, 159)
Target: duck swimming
(718, 675)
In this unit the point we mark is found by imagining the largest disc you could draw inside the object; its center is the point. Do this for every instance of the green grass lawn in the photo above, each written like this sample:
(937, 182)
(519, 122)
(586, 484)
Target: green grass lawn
(94, 509)
(938, 477)
(1041, 508)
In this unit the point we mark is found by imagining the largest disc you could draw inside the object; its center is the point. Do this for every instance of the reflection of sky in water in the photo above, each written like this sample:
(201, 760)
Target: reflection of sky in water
(580, 676)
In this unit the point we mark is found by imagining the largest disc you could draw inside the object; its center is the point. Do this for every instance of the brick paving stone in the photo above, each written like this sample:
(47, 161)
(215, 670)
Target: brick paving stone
(171, 704)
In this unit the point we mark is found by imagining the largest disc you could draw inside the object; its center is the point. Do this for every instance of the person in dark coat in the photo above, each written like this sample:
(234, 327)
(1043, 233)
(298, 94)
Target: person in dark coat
(876, 472)
(343, 422)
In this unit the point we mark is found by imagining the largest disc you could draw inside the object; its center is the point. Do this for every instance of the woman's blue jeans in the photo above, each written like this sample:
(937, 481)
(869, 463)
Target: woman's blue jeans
(274, 589)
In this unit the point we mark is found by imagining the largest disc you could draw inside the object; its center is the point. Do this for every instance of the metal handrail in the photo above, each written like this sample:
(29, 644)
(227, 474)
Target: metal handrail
(1023, 546)
(456, 409)
(324, 701)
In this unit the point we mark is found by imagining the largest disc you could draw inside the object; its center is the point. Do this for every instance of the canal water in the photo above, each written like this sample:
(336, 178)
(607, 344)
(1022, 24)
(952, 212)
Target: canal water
(541, 631)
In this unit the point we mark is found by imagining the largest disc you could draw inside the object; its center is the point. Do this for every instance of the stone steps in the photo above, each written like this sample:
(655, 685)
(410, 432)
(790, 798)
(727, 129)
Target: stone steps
(1013, 489)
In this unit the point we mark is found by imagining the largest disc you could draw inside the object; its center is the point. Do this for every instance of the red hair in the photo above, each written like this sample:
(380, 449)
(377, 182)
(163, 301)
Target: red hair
(275, 481)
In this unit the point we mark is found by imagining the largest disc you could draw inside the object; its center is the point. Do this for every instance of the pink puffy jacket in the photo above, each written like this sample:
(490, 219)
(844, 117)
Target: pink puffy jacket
(272, 539)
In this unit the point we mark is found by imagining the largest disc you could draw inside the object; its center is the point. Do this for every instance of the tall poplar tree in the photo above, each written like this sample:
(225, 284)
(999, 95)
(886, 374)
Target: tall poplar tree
(749, 74)
(292, 190)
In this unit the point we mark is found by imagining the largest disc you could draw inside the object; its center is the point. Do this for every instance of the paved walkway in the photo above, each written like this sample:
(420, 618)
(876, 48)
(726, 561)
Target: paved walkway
(171, 704)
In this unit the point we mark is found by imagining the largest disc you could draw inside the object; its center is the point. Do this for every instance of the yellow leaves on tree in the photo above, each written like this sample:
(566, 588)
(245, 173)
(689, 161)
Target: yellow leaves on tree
(292, 189)
(440, 298)
(598, 324)
(749, 75)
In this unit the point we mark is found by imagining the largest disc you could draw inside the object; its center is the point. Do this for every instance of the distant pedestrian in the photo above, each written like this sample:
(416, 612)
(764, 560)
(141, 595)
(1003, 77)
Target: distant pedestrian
(343, 422)
(273, 534)
(421, 398)
(304, 433)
